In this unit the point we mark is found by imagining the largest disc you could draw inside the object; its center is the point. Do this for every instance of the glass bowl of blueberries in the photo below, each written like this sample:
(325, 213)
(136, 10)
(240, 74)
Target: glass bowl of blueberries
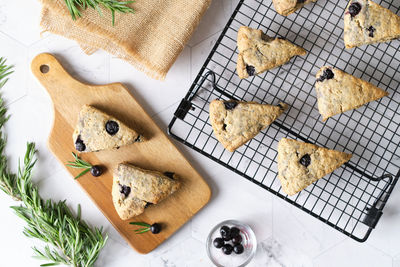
(231, 244)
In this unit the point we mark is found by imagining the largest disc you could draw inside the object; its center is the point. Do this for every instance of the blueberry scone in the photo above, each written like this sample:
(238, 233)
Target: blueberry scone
(338, 91)
(96, 131)
(234, 123)
(134, 189)
(287, 7)
(258, 52)
(301, 164)
(366, 22)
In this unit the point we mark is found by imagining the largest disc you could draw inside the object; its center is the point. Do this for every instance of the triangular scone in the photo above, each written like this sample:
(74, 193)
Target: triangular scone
(134, 188)
(366, 22)
(234, 123)
(287, 7)
(96, 131)
(301, 164)
(258, 52)
(338, 91)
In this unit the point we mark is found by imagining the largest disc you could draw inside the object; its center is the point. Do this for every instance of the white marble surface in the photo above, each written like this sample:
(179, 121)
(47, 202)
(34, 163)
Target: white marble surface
(288, 236)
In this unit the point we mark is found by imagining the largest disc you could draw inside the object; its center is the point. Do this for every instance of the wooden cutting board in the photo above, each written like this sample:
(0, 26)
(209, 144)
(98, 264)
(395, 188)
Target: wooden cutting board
(158, 153)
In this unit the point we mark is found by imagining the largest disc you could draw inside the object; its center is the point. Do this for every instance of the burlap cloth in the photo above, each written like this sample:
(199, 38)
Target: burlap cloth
(150, 39)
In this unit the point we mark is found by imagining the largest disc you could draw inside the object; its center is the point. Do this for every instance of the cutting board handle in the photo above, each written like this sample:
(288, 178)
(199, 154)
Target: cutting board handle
(51, 74)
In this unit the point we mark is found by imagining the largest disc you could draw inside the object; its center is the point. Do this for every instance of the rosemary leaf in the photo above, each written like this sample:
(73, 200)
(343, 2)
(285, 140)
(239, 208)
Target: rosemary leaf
(68, 239)
(75, 7)
(140, 224)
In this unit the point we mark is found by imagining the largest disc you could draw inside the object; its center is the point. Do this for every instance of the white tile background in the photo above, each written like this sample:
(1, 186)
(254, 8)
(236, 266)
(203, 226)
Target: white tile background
(288, 236)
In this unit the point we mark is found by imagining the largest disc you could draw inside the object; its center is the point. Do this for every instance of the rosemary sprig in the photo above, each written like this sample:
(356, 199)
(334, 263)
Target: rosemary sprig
(69, 240)
(155, 228)
(75, 7)
(78, 163)
(4, 71)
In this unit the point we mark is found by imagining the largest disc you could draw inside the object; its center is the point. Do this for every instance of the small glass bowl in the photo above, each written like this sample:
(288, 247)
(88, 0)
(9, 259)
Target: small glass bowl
(234, 260)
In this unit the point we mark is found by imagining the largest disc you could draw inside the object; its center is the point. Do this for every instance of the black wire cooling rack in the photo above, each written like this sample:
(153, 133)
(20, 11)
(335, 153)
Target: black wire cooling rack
(352, 198)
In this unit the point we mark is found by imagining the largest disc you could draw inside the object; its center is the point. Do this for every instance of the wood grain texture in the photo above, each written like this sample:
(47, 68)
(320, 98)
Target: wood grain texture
(158, 153)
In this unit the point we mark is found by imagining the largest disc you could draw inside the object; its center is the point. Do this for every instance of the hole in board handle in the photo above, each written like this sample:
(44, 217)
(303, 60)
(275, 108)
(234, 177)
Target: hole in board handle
(44, 69)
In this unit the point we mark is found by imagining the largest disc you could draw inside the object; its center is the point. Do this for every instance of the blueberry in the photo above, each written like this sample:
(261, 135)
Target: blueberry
(371, 31)
(227, 249)
(326, 75)
(230, 104)
(238, 249)
(300, 1)
(155, 228)
(96, 171)
(354, 9)
(112, 127)
(224, 127)
(235, 232)
(250, 70)
(305, 160)
(148, 204)
(139, 138)
(169, 174)
(218, 242)
(225, 232)
(79, 145)
(125, 190)
(237, 239)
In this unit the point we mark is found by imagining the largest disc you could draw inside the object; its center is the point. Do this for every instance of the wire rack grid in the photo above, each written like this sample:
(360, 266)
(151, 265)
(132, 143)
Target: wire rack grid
(352, 198)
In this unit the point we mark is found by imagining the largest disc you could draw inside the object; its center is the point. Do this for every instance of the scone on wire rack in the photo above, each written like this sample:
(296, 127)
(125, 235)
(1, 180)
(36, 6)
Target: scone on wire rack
(301, 164)
(235, 122)
(258, 52)
(338, 91)
(97, 131)
(287, 7)
(134, 189)
(366, 22)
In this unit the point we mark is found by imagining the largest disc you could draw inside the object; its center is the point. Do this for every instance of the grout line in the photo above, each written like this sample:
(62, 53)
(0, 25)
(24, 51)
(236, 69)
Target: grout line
(155, 114)
(13, 39)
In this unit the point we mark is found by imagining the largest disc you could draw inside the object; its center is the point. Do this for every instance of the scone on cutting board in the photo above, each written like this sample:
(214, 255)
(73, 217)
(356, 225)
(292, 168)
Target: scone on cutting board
(287, 7)
(134, 189)
(338, 91)
(301, 164)
(366, 22)
(97, 131)
(258, 52)
(235, 122)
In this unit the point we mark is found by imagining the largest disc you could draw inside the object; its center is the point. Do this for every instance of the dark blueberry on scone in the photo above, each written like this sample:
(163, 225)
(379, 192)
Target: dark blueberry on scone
(170, 175)
(79, 144)
(326, 75)
(124, 190)
(97, 131)
(291, 159)
(305, 160)
(354, 9)
(250, 70)
(230, 104)
(112, 127)
(371, 31)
